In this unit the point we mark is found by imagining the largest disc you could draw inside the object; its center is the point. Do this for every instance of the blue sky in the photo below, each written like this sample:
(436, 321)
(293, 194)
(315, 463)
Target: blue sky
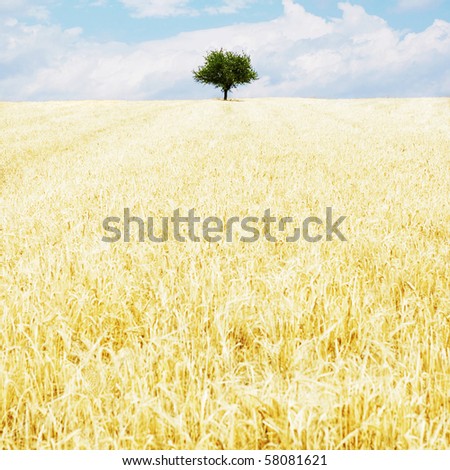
(146, 49)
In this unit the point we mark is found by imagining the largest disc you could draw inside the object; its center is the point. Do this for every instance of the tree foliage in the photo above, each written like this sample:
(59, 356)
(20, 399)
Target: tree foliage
(225, 70)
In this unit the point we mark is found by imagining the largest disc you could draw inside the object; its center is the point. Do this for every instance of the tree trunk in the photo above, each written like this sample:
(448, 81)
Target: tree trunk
(225, 95)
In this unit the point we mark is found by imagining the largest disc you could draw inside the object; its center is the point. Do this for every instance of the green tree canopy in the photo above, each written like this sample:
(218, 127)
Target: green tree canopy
(225, 70)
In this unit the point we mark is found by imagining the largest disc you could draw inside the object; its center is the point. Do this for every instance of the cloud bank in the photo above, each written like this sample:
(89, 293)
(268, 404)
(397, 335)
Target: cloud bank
(296, 54)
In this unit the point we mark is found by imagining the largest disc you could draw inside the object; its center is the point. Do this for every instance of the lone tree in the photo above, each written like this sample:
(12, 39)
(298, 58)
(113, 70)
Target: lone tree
(225, 70)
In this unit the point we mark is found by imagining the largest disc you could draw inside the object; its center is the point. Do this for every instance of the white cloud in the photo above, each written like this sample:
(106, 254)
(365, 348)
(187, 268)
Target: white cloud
(229, 6)
(405, 5)
(98, 3)
(297, 54)
(26, 8)
(165, 8)
(158, 8)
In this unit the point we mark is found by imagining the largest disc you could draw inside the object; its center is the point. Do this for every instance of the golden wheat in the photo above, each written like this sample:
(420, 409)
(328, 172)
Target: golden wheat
(281, 345)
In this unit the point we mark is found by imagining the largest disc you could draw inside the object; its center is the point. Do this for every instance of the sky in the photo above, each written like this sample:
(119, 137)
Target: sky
(147, 49)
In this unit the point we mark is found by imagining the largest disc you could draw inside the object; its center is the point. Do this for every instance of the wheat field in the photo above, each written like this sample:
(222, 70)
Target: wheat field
(229, 345)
